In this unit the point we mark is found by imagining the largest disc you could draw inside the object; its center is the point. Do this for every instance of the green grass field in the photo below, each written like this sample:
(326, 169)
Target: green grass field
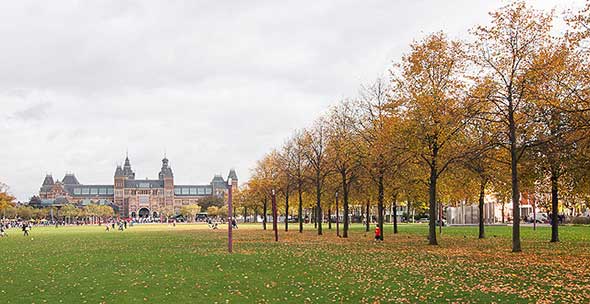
(189, 264)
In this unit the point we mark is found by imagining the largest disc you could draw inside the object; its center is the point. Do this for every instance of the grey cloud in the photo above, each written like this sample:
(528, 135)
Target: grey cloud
(34, 112)
(216, 84)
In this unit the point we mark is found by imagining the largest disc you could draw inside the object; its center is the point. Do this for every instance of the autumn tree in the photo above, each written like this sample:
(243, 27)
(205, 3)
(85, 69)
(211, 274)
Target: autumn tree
(379, 146)
(431, 83)
(166, 212)
(482, 159)
(287, 180)
(343, 154)
(69, 212)
(560, 122)
(315, 143)
(190, 211)
(505, 52)
(294, 151)
(6, 200)
(25, 212)
(264, 180)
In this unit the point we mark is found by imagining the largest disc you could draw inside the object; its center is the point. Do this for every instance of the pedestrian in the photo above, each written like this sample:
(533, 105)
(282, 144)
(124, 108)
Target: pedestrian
(125, 224)
(234, 224)
(377, 233)
(25, 230)
(107, 225)
(113, 225)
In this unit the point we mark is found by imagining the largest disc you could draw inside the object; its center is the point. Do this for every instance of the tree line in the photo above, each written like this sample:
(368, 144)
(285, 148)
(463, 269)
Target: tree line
(504, 113)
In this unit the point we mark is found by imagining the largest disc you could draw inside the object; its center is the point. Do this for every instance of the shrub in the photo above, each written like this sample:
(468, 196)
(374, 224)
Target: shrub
(581, 220)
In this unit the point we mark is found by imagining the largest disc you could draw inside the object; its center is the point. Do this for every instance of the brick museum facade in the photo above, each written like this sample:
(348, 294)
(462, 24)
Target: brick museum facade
(135, 198)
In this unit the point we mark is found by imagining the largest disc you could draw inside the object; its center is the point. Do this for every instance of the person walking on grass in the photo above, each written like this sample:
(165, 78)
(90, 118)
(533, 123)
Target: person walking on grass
(234, 224)
(108, 228)
(25, 230)
(377, 233)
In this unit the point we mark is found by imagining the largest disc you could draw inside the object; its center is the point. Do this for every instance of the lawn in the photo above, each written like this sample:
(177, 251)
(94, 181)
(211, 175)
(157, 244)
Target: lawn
(189, 264)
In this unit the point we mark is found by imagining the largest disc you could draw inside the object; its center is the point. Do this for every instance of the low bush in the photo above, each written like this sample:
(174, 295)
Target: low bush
(581, 220)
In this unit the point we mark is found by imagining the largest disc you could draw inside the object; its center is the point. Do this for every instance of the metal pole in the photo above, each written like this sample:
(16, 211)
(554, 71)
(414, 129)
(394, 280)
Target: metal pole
(274, 216)
(229, 218)
(337, 219)
(534, 214)
(440, 218)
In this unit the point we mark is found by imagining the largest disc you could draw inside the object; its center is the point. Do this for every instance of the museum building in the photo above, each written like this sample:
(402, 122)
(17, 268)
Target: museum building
(136, 198)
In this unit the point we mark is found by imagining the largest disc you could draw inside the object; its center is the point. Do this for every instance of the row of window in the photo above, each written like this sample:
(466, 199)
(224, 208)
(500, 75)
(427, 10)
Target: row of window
(192, 191)
(93, 191)
(177, 191)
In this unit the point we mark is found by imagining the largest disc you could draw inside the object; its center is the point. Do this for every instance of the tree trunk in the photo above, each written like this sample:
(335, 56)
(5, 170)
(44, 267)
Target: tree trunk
(554, 206)
(300, 211)
(515, 185)
(395, 214)
(287, 210)
(330, 218)
(380, 207)
(337, 217)
(503, 206)
(432, 201)
(482, 188)
(367, 218)
(318, 191)
(245, 214)
(264, 210)
(346, 211)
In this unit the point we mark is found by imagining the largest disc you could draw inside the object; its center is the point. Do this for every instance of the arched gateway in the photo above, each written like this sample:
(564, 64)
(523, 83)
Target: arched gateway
(144, 213)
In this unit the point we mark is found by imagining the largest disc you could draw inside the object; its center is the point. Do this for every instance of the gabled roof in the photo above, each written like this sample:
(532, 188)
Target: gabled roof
(119, 172)
(217, 179)
(127, 171)
(48, 181)
(70, 179)
(232, 175)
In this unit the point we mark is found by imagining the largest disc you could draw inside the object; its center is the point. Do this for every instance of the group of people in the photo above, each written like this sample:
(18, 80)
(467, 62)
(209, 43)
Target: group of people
(215, 225)
(122, 225)
(23, 225)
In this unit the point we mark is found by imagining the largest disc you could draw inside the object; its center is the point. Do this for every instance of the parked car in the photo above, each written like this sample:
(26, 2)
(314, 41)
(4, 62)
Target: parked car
(539, 218)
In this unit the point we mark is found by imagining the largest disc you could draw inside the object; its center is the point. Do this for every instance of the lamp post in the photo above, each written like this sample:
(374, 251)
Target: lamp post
(229, 217)
(274, 215)
(535, 212)
(337, 217)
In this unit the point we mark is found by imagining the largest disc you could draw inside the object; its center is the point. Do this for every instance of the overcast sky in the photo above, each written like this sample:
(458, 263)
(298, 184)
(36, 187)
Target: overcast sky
(214, 84)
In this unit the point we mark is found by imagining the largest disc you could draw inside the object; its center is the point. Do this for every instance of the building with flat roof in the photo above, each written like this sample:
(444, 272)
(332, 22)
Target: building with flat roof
(136, 198)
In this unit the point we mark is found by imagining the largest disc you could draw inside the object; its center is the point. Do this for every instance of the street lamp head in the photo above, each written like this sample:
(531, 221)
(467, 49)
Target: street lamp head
(273, 191)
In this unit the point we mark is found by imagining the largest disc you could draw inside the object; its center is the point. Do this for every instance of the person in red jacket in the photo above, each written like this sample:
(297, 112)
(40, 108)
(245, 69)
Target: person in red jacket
(377, 233)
